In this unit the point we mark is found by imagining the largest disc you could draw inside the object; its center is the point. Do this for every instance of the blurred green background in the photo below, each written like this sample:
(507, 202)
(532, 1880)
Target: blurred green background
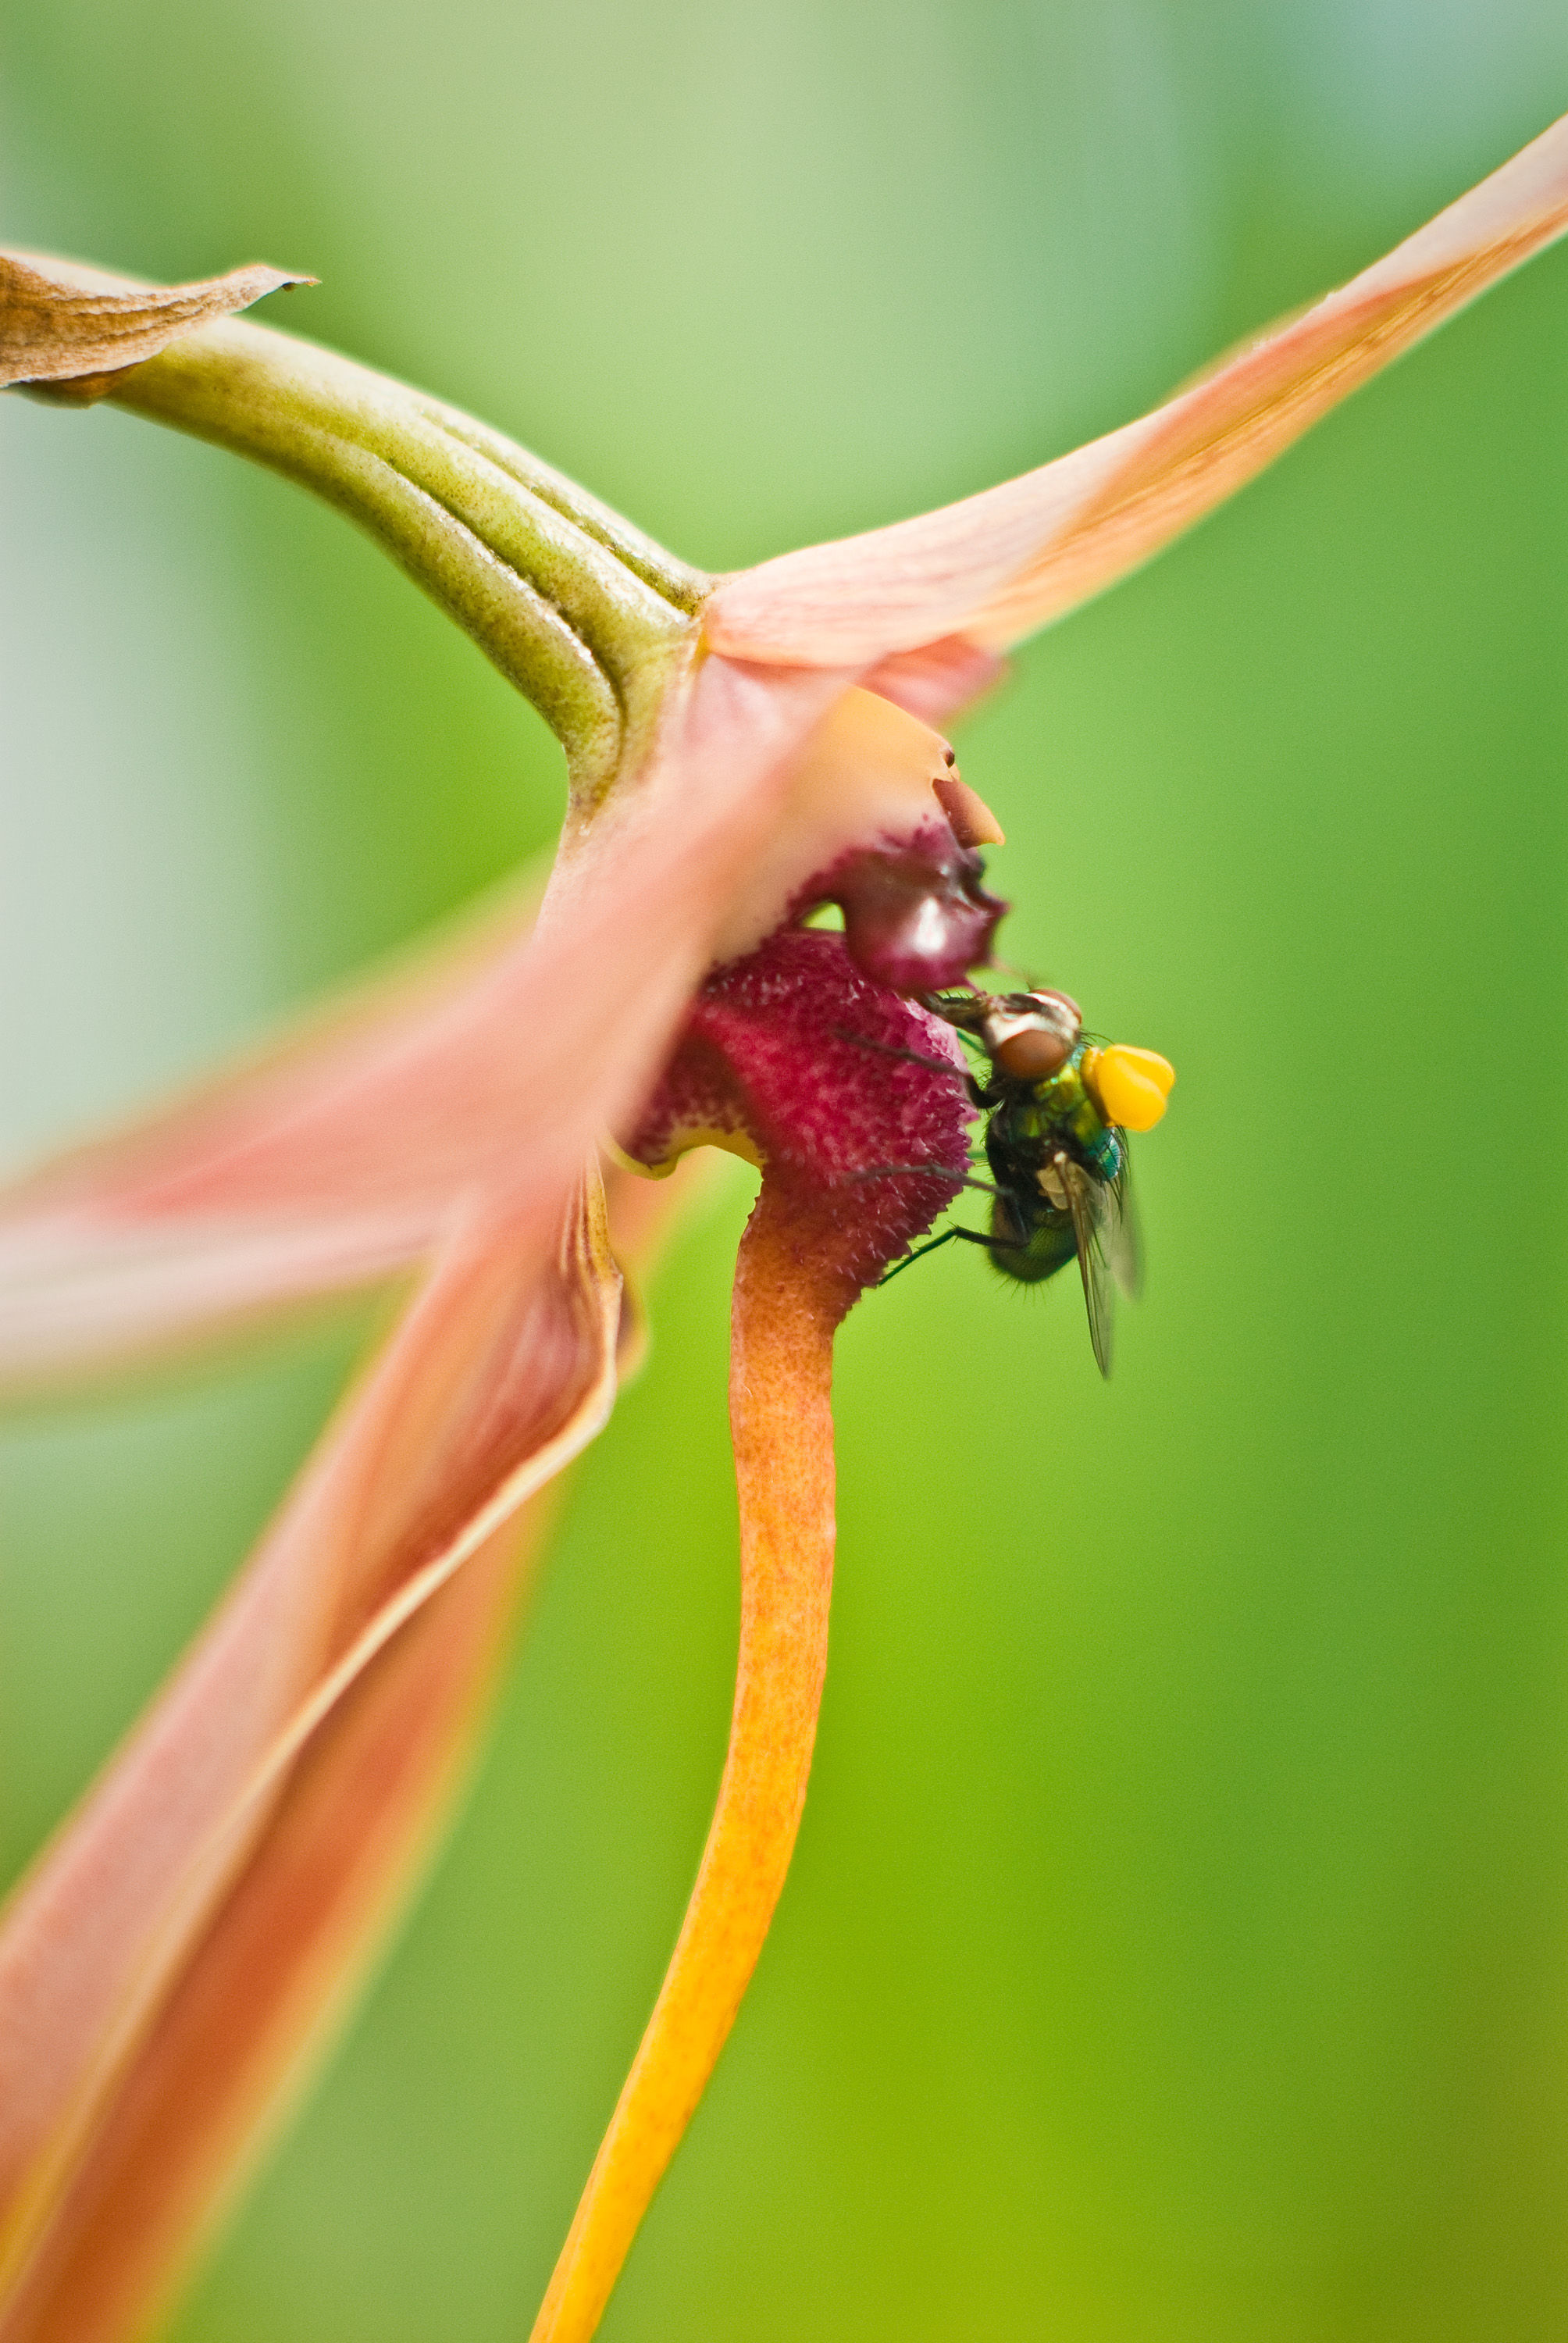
(1177, 1950)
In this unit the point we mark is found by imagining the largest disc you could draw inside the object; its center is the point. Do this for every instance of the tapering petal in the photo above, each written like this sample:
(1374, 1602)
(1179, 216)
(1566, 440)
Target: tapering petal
(234, 1795)
(994, 568)
(322, 1163)
(284, 1954)
(63, 323)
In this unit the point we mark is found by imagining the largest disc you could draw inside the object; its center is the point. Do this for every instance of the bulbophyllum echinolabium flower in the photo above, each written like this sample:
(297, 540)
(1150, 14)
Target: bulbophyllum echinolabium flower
(835, 1086)
(739, 750)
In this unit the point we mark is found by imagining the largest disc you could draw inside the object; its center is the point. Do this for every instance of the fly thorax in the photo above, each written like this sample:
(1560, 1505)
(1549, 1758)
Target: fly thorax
(1061, 1099)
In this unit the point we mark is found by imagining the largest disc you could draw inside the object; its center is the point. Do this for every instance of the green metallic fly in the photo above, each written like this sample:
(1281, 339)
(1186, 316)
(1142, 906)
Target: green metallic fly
(1057, 1113)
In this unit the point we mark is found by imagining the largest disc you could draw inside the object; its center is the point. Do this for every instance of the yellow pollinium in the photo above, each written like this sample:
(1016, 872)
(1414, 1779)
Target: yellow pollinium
(1129, 1086)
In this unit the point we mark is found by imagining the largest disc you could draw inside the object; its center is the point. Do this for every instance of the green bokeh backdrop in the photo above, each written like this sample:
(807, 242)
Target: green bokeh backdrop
(1177, 1950)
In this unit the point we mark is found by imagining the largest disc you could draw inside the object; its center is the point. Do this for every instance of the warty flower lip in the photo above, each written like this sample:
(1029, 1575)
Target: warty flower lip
(441, 1127)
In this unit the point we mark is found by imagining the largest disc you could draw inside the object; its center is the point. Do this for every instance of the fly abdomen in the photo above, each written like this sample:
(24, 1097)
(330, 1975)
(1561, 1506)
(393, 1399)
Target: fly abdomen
(1048, 1240)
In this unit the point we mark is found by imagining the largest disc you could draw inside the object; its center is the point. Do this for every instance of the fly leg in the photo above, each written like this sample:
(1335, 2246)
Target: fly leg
(919, 1172)
(970, 1236)
(914, 1058)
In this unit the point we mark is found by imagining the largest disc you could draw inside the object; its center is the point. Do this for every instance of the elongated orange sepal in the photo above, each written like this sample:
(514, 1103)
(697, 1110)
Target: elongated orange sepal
(785, 1314)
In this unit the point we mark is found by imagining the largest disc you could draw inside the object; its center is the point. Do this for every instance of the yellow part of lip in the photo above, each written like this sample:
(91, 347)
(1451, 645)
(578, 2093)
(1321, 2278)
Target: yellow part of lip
(1129, 1086)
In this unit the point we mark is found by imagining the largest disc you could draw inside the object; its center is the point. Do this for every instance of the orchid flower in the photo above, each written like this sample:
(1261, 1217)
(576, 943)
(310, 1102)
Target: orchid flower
(740, 751)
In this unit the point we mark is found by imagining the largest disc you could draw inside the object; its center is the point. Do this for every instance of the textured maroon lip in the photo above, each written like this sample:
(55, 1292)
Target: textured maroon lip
(832, 1078)
(916, 916)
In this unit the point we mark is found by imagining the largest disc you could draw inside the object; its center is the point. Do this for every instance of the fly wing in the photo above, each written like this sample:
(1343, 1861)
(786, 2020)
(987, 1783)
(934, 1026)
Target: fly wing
(1095, 1218)
(1124, 1238)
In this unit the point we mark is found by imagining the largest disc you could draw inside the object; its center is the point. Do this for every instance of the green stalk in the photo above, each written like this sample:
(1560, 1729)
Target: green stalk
(588, 618)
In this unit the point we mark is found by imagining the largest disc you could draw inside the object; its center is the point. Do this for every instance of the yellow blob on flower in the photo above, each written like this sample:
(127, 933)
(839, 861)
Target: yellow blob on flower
(1129, 1086)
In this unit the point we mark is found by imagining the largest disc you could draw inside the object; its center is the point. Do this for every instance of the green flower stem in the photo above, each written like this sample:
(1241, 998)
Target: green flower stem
(588, 618)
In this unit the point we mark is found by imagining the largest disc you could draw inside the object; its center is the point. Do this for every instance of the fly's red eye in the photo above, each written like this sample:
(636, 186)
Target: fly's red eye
(1033, 1053)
